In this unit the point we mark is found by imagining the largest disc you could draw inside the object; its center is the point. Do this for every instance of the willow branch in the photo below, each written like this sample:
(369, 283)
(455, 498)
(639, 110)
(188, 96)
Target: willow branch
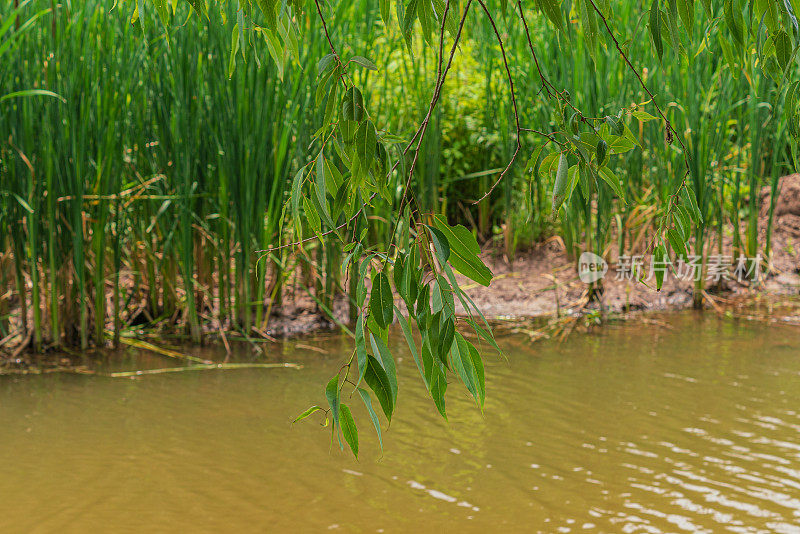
(513, 102)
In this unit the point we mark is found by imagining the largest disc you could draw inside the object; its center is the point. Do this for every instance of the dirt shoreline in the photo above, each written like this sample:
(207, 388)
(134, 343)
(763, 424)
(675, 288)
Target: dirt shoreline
(543, 282)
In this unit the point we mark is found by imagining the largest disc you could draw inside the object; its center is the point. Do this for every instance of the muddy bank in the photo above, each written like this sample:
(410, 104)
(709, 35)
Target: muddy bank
(544, 281)
(539, 282)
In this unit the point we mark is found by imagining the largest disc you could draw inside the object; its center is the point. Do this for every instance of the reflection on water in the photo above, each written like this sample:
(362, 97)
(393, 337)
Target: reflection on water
(629, 429)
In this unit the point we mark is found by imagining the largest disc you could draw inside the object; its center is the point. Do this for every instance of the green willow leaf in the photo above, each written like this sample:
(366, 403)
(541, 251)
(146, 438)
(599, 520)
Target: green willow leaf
(376, 379)
(268, 8)
(733, 21)
(163, 11)
(380, 301)
(325, 63)
(412, 346)
(477, 364)
(611, 179)
(361, 348)
(387, 362)
(783, 49)
(561, 183)
(353, 105)
(447, 330)
(686, 13)
(349, 429)
(470, 370)
(440, 244)
(364, 62)
(438, 388)
(320, 184)
(589, 26)
(234, 50)
(332, 394)
(426, 20)
(464, 250)
(312, 216)
(659, 257)
(552, 9)
(398, 273)
(655, 29)
(307, 413)
(676, 242)
(366, 144)
(408, 21)
(200, 7)
(600, 151)
(372, 415)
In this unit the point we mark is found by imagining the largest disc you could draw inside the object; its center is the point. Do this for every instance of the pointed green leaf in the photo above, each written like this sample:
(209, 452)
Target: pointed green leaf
(552, 9)
(332, 394)
(380, 301)
(364, 62)
(438, 388)
(307, 413)
(611, 179)
(376, 379)
(387, 362)
(361, 348)
(372, 415)
(464, 250)
(561, 183)
(440, 244)
(353, 105)
(349, 429)
(655, 29)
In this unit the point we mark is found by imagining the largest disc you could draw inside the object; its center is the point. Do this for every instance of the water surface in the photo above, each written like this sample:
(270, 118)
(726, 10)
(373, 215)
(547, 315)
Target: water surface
(631, 428)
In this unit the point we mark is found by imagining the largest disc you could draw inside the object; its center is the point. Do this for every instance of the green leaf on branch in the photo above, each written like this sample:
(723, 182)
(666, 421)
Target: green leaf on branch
(686, 13)
(468, 365)
(552, 9)
(372, 415)
(412, 346)
(349, 429)
(408, 21)
(783, 48)
(659, 259)
(366, 145)
(200, 7)
(611, 179)
(438, 388)
(387, 362)
(380, 301)
(332, 394)
(364, 62)
(561, 183)
(307, 413)
(268, 8)
(464, 250)
(676, 242)
(376, 379)
(361, 349)
(440, 244)
(353, 105)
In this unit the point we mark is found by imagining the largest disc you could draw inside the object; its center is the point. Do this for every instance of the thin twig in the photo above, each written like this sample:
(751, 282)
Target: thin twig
(513, 102)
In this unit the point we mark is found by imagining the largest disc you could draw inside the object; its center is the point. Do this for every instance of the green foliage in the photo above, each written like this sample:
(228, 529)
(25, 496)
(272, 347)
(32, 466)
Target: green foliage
(213, 107)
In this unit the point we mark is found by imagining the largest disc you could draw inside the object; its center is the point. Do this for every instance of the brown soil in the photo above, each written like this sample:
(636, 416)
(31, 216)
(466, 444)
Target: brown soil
(543, 281)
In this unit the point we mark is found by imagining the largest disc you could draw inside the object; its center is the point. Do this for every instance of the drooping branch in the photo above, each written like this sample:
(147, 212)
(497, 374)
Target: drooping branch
(671, 133)
(513, 102)
(441, 76)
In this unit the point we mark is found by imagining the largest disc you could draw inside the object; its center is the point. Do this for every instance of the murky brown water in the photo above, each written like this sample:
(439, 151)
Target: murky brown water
(630, 429)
